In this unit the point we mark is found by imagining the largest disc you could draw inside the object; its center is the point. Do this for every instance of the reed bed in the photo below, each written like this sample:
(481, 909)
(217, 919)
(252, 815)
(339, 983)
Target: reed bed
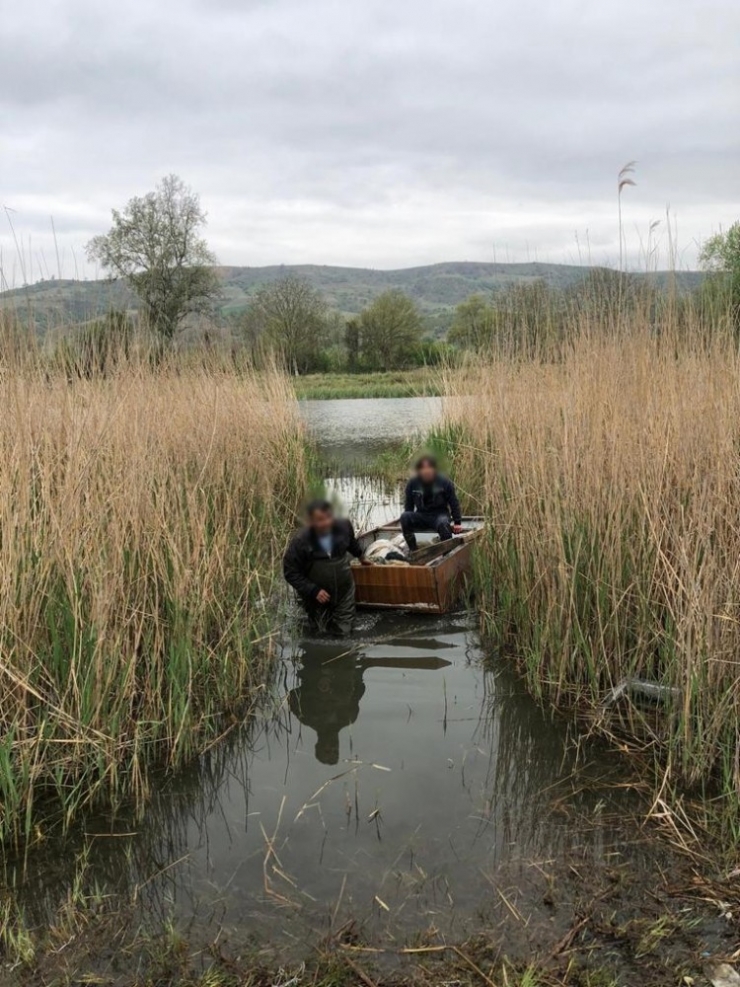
(611, 475)
(141, 514)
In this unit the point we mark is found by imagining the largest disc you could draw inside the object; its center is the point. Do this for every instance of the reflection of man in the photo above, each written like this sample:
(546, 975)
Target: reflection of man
(327, 699)
(316, 564)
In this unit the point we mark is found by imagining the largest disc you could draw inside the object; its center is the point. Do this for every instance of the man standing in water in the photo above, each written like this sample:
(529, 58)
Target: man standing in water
(316, 564)
(431, 504)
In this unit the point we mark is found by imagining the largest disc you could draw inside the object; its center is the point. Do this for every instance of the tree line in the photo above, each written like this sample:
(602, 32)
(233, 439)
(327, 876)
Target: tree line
(291, 318)
(156, 244)
(534, 318)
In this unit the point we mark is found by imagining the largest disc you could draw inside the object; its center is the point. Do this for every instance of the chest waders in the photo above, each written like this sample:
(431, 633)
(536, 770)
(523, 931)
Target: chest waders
(335, 576)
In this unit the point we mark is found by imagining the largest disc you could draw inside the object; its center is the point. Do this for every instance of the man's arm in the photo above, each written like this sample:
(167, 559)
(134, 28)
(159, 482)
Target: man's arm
(454, 503)
(294, 570)
(408, 504)
(354, 547)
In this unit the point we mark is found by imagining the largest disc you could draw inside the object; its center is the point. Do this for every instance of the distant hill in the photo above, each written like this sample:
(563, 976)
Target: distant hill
(437, 289)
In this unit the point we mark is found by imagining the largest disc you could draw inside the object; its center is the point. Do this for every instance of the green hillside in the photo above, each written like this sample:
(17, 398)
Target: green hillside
(437, 288)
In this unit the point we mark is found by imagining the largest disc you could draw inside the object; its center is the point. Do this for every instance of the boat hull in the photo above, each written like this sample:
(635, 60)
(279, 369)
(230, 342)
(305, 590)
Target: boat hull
(435, 586)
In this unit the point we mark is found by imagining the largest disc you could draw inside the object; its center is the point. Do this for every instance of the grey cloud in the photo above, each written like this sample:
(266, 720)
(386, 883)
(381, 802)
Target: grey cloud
(374, 133)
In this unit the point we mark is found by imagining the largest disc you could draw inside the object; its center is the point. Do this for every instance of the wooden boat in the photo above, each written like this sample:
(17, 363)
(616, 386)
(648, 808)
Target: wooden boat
(432, 582)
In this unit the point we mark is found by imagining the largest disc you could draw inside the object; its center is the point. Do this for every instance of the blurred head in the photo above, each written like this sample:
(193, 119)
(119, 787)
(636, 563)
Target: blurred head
(426, 469)
(327, 747)
(320, 516)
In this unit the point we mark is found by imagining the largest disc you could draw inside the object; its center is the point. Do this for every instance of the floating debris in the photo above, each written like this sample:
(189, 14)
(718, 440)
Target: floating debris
(644, 689)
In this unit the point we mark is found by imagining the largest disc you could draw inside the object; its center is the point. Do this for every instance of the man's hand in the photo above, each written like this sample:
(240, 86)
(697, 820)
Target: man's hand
(364, 561)
(457, 529)
(322, 597)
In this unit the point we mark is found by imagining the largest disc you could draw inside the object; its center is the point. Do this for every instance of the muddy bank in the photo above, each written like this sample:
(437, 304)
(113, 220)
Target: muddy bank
(552, 923)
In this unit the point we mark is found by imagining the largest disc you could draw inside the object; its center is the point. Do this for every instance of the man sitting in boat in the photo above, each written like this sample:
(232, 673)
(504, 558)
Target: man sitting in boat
(431, 504)
(316, 564)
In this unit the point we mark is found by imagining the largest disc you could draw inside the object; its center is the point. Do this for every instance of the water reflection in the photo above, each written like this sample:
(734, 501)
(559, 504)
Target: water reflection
(409, 768)
(327, 697)
(330, 687)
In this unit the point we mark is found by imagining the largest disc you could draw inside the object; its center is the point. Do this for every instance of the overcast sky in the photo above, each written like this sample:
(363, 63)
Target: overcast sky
(370, 132)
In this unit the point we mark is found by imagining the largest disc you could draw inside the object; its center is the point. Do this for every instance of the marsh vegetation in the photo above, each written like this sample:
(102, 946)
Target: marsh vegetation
(140, 515)
(609, 470)
(146, 492)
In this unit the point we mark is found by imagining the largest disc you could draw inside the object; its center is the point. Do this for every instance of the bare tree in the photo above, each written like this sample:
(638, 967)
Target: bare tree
(155, 243)
(292, 317)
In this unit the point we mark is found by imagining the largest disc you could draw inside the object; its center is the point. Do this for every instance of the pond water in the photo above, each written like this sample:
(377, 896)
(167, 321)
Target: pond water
(350, 433)
(404, 780)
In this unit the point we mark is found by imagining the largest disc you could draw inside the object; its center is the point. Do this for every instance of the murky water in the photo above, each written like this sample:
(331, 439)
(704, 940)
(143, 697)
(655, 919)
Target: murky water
(403, 779)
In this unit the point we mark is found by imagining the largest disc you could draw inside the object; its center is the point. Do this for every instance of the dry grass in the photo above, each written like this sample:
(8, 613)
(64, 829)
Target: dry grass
(140, 517)
(612, 478)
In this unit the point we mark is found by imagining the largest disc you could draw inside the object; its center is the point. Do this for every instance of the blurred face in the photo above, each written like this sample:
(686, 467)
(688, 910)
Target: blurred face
(427, 473)
(321, 521)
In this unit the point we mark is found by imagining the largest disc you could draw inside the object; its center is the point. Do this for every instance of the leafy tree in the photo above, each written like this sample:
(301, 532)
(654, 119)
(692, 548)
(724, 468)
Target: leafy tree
(435, 353)
(334, 353)
(155, 243)
(352, 344)
(474, 323)
(720, 256)
(390, 332)
(518, 320)
(291, 316)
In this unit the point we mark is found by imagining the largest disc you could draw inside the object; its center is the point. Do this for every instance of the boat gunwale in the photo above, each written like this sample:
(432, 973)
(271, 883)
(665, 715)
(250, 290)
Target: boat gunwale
(464, 540)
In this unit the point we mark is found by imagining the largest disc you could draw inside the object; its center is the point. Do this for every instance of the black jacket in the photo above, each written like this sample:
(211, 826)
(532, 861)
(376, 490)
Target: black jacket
(304, 549)
(442, 499)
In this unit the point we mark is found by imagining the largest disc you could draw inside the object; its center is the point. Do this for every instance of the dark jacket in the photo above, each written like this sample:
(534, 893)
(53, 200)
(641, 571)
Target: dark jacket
(304, 549)
(441, 499)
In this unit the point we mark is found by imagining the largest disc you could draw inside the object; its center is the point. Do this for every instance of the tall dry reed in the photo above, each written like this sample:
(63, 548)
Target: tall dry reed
(611, 476)
(140, 519)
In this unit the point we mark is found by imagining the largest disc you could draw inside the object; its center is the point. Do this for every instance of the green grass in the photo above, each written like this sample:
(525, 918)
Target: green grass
(420, 382)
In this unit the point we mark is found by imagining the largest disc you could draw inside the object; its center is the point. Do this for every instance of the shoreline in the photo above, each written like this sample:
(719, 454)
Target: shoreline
(417, 383)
